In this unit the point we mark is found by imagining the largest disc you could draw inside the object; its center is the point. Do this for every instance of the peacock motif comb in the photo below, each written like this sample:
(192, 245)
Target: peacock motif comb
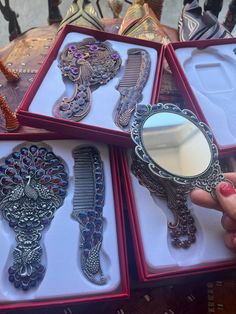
(88, 64)
(88, 205)
(131, 86)
(33, 186)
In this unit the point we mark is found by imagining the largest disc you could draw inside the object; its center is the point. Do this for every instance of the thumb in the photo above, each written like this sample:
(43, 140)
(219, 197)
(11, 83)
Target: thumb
(226, 196)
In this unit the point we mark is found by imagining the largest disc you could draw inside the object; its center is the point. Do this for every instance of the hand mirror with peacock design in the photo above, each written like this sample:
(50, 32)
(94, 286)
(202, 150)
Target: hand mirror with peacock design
(33, 186)
(88, 65)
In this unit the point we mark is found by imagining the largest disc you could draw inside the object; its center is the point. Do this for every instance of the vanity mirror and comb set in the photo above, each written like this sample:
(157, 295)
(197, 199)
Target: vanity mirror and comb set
(62, 229)
(90, 83)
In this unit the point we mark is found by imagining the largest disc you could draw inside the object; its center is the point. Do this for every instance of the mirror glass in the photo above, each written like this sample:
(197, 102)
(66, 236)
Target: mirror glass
(176, 144)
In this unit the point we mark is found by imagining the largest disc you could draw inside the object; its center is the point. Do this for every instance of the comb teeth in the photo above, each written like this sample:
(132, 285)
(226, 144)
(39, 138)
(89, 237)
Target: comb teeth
(137, 69)
(132, 70)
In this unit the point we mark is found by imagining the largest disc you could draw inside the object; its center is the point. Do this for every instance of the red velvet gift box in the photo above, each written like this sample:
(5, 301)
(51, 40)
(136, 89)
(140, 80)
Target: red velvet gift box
(156, 258)
(205, 73)
(64, 283)
(48, 86)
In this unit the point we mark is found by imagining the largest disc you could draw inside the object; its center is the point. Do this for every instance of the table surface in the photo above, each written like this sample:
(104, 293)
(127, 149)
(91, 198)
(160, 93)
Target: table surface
(213, 293)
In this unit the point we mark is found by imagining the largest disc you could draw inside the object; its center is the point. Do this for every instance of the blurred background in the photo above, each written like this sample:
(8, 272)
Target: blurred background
(35, 13)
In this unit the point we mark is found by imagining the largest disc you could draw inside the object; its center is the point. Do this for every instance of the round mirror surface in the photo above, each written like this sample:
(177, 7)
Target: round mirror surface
(176, 144)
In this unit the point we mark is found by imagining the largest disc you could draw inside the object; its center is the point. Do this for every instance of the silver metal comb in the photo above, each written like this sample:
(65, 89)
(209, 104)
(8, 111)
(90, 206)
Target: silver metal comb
(137, 70)
(88, 202)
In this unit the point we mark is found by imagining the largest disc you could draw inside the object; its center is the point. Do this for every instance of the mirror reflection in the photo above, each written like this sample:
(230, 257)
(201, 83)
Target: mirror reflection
(176, 144)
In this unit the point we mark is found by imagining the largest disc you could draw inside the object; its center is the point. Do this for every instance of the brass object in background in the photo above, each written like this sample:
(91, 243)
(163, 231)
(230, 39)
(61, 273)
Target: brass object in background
(11, 122)
(11, 76)
(116, 7)
(156, 6)
(141, 22)
(24, 55)
(82, 13)
(147, 27)
(134, 13)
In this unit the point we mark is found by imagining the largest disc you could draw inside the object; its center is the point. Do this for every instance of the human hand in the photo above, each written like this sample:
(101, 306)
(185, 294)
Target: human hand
(225, 202)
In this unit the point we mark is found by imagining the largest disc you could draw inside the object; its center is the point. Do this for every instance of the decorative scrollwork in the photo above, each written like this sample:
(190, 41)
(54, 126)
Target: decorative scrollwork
(88, 64)
(206, 180)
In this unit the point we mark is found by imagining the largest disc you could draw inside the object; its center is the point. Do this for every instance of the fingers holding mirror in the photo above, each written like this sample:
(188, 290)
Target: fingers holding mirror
(174, 146)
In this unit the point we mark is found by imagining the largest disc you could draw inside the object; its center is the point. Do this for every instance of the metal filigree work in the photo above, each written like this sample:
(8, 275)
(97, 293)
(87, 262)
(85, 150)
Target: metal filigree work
(136, 75)
(183, 230)
(33, 186)
(206, 180)
(88, 205)
(88, 64)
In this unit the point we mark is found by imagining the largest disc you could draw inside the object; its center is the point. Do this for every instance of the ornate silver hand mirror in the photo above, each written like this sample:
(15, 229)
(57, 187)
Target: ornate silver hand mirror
(176, 146)
(174, 154)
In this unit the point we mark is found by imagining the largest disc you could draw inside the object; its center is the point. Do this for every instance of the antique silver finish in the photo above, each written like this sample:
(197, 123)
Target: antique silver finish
(211, 173)
(137, 70)
(33, 186)
(182, 229)
(88, 202)
(174, 154)
(88, 64)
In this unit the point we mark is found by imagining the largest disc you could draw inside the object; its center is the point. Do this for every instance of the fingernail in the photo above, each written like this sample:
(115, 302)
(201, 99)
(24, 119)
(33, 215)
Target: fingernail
(226, 189)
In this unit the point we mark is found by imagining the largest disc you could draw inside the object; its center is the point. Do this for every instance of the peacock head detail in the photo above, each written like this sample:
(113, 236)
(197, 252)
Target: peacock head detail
(97, 57)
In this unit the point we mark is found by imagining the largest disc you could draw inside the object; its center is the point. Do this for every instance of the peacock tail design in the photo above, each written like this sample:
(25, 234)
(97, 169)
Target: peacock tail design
(33, 184)
(88, 64)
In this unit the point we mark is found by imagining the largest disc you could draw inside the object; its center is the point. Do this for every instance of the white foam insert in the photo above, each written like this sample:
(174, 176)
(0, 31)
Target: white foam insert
(61, 254)
(211, 73)
(104, 99)
(153, 216)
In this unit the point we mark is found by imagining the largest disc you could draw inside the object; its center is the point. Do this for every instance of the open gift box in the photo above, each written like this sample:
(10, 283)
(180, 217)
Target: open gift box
(48, 88)
(65, 279)
(157, 258)
(204, 71)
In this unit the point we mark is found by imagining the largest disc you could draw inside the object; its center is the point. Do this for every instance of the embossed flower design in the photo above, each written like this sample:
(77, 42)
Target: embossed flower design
(72, 48)
(93, 47)
(74, 70)
(115, 56)
(78, 55)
